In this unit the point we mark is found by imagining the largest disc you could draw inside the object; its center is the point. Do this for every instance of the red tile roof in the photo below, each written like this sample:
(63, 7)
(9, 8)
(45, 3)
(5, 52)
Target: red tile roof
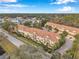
(41, 33)
(71, 29)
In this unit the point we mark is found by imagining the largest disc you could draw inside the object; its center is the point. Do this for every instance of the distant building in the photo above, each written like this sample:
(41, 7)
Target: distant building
(1, 20)
(71, 30)
(40, 36)
(13, 20)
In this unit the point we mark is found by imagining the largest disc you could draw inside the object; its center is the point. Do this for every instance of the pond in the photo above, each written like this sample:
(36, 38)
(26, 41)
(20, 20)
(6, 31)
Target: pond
(1, 51)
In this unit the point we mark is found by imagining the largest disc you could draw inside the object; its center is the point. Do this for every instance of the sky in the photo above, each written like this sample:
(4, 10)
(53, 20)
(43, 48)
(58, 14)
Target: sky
(39, 6)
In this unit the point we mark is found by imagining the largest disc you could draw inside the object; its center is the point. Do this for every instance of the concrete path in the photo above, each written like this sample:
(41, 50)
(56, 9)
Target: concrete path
(12, 39)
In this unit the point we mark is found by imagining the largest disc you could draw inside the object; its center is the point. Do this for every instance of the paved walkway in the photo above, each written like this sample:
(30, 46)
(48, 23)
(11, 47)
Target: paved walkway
(12, 39)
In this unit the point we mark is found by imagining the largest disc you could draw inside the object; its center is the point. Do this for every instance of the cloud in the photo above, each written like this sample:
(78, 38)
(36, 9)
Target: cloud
(6, 11)
(66, 9)
(14, 8)
(11, 10)
(8, 0)
(63, 1)
(15, 5)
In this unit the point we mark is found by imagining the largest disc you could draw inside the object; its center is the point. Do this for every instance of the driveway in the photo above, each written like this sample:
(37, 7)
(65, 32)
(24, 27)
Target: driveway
(68, 45)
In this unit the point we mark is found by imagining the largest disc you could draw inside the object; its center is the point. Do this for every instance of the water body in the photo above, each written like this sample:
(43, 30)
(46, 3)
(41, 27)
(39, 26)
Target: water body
(4, 56)
(2, 53)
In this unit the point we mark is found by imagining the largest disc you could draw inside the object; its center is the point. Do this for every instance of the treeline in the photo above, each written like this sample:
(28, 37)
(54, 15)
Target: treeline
(66, 19)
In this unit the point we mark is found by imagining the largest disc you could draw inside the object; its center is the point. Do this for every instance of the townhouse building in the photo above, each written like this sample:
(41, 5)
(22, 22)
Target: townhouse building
(39, 36)
(71, 30)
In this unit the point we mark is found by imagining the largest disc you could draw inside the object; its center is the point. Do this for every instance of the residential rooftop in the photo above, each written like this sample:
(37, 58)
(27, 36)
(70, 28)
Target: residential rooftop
(64, 27)
(42, 33)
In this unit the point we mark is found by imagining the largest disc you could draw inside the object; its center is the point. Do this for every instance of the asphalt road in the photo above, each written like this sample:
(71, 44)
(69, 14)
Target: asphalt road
(68, 45)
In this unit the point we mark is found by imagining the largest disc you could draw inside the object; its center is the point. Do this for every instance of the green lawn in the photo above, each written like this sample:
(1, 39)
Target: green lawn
(7, 45)
(31, 42)
(25, 40)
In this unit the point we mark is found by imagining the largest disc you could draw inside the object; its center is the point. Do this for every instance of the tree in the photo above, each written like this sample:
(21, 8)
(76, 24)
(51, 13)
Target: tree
(43, 22)
(49, 28)
(6, 25)
(56, 55)
(64, 34)
(28, 23)
(62, 38)
(56, 30)
(37, 24)
(77, 36)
